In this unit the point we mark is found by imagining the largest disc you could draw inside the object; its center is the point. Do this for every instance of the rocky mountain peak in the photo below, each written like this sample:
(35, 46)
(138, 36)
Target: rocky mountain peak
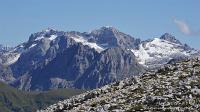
(48, 33)
(170, 38)
(105, 31)
(109, 28)
(1, 48)
(112, 37)
(49, 30)
(4, 48)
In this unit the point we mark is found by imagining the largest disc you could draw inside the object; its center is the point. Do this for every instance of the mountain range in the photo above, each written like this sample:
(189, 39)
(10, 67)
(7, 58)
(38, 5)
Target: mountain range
(53, 59)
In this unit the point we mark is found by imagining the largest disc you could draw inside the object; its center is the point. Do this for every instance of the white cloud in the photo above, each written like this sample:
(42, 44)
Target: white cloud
(185, 29)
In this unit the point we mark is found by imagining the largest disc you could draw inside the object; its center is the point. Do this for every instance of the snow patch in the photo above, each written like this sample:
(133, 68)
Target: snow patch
(39, 38)
(141, 54)
(80, 39)
(33, 45)
(12, 59)
(52, 37)
(158, 49)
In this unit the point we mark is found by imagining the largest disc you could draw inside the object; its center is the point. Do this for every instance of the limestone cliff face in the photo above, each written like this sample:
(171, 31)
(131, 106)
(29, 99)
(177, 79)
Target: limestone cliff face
(56, 59)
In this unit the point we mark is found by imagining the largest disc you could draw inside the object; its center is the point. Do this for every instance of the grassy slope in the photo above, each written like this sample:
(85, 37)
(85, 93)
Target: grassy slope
(15, 100)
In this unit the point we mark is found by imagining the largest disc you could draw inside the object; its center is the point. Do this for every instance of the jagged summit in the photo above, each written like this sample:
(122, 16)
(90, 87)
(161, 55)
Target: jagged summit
(170, 38)
(49, 30)
(48, 33)
(4, 48)
(111, 28)
(106, 30)
(112, 37)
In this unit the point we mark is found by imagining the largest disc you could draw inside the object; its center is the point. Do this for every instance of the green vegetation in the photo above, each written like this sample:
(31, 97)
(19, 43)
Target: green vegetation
(15, 100)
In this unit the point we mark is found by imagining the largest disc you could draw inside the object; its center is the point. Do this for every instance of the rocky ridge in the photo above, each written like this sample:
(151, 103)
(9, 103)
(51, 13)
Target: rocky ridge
(53, 59)
(174, 87)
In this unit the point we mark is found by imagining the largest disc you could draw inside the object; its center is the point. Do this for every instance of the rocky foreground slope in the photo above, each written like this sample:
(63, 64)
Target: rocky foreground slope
(174, 87)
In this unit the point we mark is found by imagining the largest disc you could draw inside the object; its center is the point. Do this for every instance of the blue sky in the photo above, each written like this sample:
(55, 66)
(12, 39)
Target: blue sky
(140, 18)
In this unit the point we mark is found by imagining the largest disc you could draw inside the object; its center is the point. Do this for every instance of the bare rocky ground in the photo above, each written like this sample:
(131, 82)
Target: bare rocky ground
(173, 88)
